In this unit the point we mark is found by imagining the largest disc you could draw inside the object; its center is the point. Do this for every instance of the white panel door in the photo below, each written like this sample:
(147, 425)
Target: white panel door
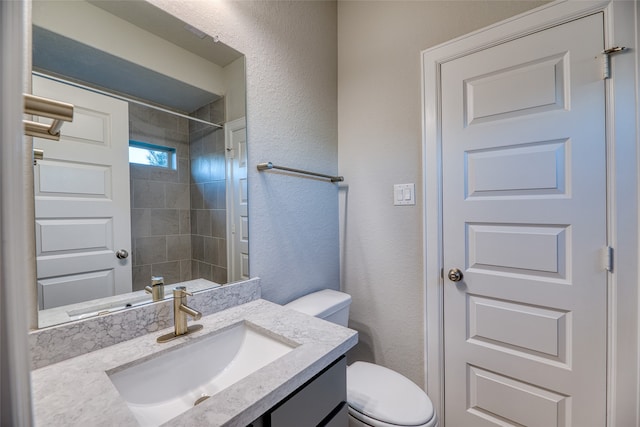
(237, 206)
(82, 200)
(524, 220)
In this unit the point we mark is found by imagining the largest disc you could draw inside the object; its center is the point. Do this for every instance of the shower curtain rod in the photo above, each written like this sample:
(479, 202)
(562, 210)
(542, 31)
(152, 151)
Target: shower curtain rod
(123, 98)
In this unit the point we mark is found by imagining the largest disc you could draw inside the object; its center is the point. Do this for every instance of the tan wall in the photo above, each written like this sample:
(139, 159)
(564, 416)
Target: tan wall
(380, 144)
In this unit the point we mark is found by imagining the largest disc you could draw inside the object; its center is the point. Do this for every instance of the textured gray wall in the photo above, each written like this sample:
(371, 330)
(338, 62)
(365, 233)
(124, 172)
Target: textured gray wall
(291, 62)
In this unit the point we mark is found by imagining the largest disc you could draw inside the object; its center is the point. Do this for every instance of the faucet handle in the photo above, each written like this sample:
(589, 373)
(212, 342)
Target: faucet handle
(180, 291)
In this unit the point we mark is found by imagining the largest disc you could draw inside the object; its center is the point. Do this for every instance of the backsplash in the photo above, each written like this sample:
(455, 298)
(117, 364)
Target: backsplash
(58, 343)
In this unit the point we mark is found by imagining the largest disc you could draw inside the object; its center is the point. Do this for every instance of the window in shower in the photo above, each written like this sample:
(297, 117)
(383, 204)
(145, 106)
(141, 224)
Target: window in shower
(144, 153)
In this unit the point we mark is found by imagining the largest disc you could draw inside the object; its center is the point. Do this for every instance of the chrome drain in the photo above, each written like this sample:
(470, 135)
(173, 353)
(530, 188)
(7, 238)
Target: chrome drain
(201, 399)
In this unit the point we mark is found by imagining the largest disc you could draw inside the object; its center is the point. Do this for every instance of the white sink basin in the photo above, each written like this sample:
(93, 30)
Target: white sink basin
(159, 389)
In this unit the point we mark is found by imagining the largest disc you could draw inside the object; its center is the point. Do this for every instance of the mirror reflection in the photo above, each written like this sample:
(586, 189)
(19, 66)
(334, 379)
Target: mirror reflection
(149, 180)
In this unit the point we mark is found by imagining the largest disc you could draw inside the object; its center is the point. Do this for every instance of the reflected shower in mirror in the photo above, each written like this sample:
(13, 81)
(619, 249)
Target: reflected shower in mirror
(150, 177)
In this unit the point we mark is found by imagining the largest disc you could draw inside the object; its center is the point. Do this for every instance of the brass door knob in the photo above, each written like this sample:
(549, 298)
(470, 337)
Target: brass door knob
(455, 275)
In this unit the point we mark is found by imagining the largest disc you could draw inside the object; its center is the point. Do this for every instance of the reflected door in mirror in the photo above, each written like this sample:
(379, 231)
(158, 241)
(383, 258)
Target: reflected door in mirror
(81, 219)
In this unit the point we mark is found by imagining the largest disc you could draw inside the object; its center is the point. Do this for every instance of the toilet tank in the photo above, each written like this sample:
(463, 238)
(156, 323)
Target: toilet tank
(326, 304)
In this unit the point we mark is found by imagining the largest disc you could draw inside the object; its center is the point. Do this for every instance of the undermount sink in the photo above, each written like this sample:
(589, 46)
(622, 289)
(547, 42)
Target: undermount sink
(159, 389)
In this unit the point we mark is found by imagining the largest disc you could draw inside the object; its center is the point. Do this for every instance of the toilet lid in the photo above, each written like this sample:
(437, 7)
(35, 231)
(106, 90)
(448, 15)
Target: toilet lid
(385, 395)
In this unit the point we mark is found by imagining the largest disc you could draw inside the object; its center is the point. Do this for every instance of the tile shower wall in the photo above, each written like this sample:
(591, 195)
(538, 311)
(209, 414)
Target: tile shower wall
(208, 195)
(160, 201)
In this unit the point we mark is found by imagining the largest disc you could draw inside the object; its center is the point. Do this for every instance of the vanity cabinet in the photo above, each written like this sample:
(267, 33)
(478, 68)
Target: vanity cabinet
(319, 402)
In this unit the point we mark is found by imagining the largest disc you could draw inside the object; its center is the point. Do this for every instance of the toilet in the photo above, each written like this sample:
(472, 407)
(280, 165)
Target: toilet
(376, 396)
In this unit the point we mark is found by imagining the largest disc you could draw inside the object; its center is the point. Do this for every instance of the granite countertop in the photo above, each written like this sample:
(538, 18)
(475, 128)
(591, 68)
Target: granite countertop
(78, 391)
(83, 310)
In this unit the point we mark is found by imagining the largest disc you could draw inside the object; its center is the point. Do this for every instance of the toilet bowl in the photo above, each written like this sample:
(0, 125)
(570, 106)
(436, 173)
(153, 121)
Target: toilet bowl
(376, 396)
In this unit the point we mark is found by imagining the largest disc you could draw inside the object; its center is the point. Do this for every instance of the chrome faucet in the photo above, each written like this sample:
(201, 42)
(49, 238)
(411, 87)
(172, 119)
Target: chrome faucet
(180, 312)
(156, 289)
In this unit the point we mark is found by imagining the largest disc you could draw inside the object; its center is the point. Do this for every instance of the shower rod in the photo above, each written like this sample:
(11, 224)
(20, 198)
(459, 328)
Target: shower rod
(123, 98)
(269, 165)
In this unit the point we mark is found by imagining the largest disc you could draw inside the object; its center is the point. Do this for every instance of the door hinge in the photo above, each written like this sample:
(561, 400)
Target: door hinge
(606, 60)
(608, 259)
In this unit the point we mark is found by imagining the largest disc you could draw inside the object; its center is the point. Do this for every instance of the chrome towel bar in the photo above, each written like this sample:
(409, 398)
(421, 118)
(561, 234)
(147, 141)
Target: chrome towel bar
(269, 165)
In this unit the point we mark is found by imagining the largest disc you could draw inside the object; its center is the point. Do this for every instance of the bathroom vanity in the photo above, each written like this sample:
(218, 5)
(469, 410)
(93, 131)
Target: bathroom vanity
(266, 363)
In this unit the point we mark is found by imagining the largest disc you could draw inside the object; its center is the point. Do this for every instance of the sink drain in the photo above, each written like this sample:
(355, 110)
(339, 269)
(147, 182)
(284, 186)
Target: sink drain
(201, 399)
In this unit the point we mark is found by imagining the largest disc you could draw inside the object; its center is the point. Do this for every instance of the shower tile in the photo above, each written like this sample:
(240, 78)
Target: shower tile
(184, 221)
(170, 271)
(177, 196)
(194, 269)
(197, 247)
(209, 140)
(185, 270)
(204, 222)
(147, 194)
(219, 275)
(132, 255)
(222, 252)
(184, 171)
(163, 174)
(138, 171)
(205, 271)
(141, 276)
(150, 250)
(210, 195)
(164, 222)
(179, 247)
(175, 138)
(183, 125)
(200, 169)
(202, 112)
(197, 194)
(210, 250)
(140, 222)
(217, 111)
(195, 144)
(219, 223)
(218, 166)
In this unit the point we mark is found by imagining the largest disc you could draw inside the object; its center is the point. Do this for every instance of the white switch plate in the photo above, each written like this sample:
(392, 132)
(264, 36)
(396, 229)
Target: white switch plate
(404, 194)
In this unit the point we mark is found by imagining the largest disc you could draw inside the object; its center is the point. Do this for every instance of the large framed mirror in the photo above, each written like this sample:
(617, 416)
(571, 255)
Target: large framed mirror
(149, 180)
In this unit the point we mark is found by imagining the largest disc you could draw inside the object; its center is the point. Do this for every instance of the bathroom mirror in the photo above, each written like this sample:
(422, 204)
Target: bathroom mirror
(150, 177)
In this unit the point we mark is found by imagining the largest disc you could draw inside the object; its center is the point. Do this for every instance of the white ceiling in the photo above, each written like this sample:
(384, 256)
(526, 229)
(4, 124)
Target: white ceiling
(158, 22)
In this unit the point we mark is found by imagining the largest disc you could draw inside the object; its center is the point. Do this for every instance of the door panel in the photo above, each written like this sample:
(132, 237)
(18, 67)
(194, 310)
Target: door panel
(533, 169)
(518, 403)
(524, 218)
(82, 200)
(237, 200)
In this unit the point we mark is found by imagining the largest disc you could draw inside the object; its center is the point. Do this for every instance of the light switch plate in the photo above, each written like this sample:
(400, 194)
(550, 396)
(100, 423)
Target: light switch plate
(404, 194)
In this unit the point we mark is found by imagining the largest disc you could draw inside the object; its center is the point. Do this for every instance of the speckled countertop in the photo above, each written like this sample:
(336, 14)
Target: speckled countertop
(86, 309)
(78, 391)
